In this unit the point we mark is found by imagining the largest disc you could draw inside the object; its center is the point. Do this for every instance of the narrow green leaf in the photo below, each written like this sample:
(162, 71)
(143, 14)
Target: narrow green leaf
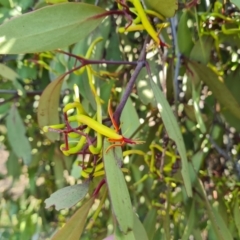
(13, 165)
(121, 236)
(143, 84)
(138, 232)
(129, 119)
(236, 214)
(68, 196)
(165, 8)
(48, 106)
(150, 222)
(16, 136)
(216, 85)
(138, 229)
(174, 133)
(49, 28)
(118, 191)
(184, 35)
(219, 226)
(190, 223)
(74, 227)
(196, 92)
(8, 73)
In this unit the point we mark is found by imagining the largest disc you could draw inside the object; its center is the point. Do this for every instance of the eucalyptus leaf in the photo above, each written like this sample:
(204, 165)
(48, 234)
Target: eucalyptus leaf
(8, 73)
(16, 134)
(73, 229)
(49, 28)
(117, 187)
(68, 196)
(48, 106)
(174, 133)
(216, 85)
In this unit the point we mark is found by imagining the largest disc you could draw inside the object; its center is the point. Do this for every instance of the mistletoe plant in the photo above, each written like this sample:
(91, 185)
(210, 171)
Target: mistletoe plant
(122, 123)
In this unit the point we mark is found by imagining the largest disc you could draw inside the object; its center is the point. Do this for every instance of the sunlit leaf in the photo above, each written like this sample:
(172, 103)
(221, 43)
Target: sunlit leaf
(165, 8)
(49, 28)
(16, 134)
(74, 227)
(68, 196)
(48, 106)
(118, 191)
(174, 133)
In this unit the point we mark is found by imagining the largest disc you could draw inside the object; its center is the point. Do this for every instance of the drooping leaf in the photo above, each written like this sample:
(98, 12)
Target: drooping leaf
(138, 229)
(7, 72)
(190, 222)
(74, 227)
(122, 236)
(236, 214)
(149, 222)
(165, 8)
(184, 35)
(174, 133)
(48, 106)
(118, 191)
(13, 165)
(233, 85)
(16, 134)
(49, 28)
(68, 196)
(218, 224)
(138, 232)
(216, 85)
(143, 85)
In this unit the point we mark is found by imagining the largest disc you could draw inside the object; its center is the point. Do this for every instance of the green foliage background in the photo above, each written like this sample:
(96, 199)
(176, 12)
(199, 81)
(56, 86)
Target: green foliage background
(198, 76)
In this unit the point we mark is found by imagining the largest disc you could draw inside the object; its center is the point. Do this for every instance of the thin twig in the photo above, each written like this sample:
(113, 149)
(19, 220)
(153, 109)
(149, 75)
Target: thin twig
(141, 63)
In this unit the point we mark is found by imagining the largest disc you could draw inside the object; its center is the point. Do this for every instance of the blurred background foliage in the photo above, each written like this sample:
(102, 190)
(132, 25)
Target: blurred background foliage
(32, 167)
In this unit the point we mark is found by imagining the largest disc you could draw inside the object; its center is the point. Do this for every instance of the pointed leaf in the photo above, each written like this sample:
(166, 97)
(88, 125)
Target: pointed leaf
(184, 35)
(74, 227)
(236, 214)
(49, 28)
(174, 133)
(68, 196)
(8, 73)
(16, 136)
(48, 106)
(216, 85)
(150, 222)
(138, 229)
(118, 191)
